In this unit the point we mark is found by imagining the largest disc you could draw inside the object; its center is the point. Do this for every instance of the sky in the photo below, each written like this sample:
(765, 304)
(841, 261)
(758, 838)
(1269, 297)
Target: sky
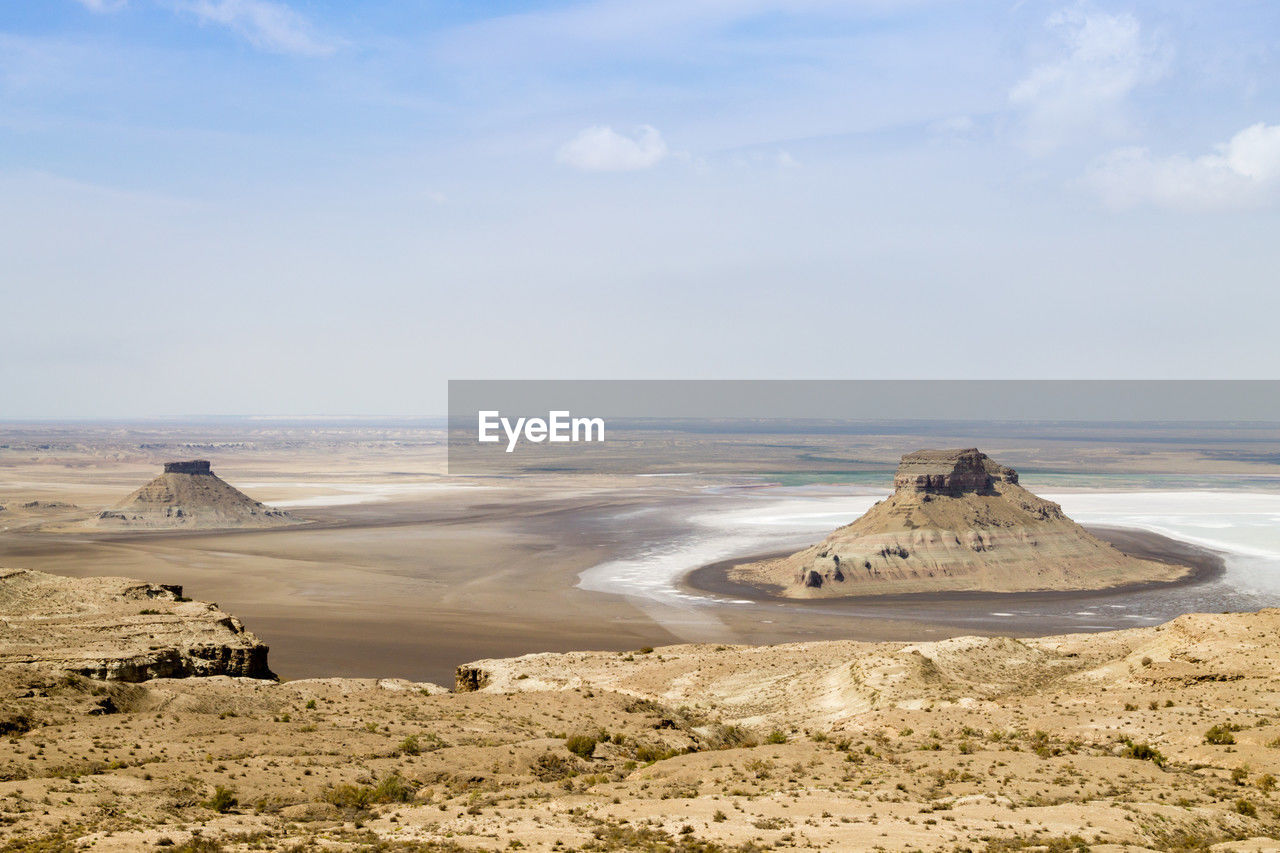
(300, 207)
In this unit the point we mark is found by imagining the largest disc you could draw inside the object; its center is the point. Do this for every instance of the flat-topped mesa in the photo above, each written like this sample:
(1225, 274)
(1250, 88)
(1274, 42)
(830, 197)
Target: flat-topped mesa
(950, 472)
(956, 521)
(193, 466)
(188, 494)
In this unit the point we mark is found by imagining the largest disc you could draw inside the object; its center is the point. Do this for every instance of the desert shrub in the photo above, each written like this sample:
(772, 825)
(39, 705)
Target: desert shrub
(648, 752)
(1221, 734)
(14, 723)
(1040, 744)
(776, 736)
(1059, 844)
(581, 745)
(346, 796)
(223, 800)
(1246, 808)
(410, 746)
(552, 766)
(721, 736)
(1144, 752)
(393, 788)
(199, 844)
(624, 837)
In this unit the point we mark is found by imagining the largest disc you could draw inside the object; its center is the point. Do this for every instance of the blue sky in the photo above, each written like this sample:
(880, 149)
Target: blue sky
(259, 206)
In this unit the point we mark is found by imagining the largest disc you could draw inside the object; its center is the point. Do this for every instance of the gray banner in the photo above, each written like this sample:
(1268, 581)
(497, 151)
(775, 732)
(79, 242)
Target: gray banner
(641, 426)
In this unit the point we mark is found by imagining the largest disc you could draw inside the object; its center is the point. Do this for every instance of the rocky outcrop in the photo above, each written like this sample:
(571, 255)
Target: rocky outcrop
(469, 679)
(118, 629)
(194, 466)
(957, 521)
(189, 495)
(951, 472)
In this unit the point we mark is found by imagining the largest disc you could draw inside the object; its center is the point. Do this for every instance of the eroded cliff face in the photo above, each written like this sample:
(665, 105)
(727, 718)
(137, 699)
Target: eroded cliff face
(957, 520)
(951, 472)
(118, 629)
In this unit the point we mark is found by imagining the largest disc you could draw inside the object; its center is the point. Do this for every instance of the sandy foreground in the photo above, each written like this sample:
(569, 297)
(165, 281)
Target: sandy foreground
(1159, 738)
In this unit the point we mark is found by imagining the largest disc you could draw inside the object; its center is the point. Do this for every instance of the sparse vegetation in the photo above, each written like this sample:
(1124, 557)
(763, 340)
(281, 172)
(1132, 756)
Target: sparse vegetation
(1221, 734)
(223, 800)
(1143, 752)
(583, 746)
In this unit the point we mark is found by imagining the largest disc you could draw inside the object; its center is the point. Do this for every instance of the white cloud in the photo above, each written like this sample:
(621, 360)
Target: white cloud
(1105, 58)
(1242, 172)
(603, 149)
(266, 24)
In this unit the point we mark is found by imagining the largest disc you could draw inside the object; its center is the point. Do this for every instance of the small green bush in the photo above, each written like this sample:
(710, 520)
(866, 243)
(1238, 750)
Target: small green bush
(776, 736)
(649, 753)
(223, 800)
(1221, 734)
(553, 766)
(391, 789)
(583, 746)
(1144, 752)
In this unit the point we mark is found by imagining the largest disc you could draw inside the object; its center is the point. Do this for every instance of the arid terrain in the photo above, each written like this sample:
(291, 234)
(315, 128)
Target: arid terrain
(1160, 738)
(401, 609)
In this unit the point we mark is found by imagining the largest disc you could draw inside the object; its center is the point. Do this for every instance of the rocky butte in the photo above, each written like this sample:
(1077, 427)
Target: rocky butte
(189, 495)
(118, 629)
(956, 521)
